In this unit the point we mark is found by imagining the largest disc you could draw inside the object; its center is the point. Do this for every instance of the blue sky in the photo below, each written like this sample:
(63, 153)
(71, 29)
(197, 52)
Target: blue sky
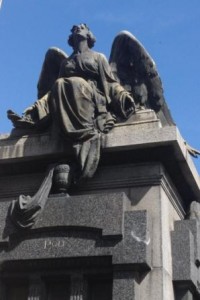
(169, 30)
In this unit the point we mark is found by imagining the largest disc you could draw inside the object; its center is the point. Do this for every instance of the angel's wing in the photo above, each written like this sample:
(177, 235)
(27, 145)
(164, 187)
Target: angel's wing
(50, 70)
(134, 68)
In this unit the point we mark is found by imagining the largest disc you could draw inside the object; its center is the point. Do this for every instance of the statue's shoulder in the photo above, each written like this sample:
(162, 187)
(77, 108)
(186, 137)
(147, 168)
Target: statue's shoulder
(98, 55)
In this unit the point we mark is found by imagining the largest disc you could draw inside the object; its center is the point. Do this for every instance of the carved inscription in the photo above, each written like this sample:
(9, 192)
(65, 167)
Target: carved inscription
(54, 244)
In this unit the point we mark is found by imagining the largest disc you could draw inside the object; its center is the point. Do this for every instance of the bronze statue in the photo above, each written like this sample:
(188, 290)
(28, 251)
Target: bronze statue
(83, 95)
(80, 95)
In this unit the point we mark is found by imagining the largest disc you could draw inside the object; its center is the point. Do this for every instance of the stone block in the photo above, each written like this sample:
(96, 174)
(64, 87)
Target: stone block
(194, 227)
(81, 226)
(123, 285)
(183, 254)
(136, 245)
(185, 240)
(103, 212)
(100, 211)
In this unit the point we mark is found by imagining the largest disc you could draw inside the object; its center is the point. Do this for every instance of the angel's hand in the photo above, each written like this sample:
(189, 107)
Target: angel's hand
(28, 110)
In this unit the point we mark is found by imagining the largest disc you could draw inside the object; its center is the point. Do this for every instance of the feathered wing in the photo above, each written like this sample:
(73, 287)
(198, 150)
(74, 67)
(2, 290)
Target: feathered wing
(134, 68)
(50, 70)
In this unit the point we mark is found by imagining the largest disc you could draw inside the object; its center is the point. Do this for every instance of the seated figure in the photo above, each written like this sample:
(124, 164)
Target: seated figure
(80, 95)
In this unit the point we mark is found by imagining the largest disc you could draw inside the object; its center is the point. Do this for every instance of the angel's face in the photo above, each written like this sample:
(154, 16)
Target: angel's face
(80, 30)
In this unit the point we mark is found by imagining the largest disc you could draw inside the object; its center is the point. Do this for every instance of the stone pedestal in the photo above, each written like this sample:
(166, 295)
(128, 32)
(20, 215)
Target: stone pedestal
(124, 234)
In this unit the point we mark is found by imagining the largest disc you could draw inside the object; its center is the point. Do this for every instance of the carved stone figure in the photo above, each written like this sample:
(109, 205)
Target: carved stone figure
(82, 96)
(130, 64)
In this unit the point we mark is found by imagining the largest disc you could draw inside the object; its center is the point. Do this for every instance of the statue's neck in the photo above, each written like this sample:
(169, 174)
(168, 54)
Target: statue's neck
(81, 46)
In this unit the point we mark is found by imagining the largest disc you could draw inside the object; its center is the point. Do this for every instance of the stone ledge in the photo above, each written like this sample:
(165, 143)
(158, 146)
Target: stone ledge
(17, 146)
(141, 136)
(119, 139)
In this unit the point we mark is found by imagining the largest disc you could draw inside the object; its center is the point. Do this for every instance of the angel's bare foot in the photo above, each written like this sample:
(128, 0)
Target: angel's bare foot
(20, 122)
(13, 116)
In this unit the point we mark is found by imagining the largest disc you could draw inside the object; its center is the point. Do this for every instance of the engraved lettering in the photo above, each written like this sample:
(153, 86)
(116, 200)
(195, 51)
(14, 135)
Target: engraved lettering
(47, 244)
(54, 244)
(61, 243)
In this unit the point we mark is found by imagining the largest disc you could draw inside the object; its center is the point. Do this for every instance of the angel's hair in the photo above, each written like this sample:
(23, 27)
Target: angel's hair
(90, 37)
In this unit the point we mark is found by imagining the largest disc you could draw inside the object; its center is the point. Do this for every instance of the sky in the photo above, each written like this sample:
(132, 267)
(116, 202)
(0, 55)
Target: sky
(168, 29)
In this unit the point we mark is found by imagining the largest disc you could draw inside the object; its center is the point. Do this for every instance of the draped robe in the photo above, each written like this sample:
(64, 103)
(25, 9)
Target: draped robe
(82, 102)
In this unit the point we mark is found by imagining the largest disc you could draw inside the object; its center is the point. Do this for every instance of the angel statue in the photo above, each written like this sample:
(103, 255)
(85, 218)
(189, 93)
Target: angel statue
(82, 95)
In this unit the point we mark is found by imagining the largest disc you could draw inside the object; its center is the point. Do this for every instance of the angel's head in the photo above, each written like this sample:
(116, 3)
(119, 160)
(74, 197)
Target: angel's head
(82, 30)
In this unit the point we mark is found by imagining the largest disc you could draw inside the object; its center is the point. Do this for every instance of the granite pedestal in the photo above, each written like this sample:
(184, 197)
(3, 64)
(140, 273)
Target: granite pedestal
(122, 235)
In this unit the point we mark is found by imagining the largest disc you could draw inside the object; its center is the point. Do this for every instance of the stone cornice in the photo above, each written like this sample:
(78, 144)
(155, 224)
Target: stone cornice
(142, 141)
